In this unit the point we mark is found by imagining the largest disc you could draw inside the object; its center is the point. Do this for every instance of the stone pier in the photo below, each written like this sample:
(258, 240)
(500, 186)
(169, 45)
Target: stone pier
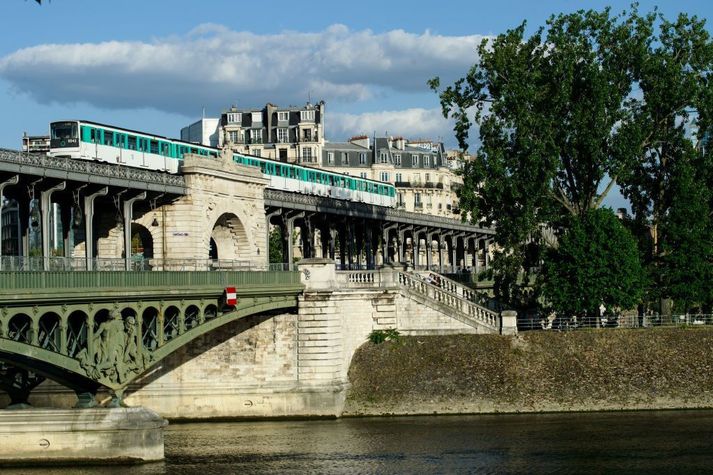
(80, 436)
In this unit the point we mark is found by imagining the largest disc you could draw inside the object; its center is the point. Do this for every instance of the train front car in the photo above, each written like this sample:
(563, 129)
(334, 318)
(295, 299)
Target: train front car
(64, 139)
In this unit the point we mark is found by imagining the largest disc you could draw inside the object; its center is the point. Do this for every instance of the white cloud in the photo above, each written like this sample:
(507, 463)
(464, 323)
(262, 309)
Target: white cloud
(410, 123)
(214, 66)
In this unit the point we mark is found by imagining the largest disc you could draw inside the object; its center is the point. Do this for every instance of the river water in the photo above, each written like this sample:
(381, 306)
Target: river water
(616, 442)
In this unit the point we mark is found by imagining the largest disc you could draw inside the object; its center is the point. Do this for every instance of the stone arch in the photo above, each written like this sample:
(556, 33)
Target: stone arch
(19, 328)
(142, 242)
(48, 332)
(76, 332)
(231, 238)
(171, 322)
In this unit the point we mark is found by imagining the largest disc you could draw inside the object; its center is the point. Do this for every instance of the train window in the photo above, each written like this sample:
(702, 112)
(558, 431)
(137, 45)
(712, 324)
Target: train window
(153, 146)
(132, 143)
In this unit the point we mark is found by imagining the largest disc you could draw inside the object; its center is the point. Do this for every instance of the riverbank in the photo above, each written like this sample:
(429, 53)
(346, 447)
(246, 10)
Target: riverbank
(597, 370)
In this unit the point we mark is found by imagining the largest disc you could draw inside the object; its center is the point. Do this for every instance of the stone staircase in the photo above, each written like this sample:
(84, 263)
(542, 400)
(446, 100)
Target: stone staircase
(460, 301)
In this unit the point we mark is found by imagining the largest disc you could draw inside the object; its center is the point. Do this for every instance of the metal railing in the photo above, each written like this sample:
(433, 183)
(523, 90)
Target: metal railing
(91, 168)
(556, 323)
(35, 264)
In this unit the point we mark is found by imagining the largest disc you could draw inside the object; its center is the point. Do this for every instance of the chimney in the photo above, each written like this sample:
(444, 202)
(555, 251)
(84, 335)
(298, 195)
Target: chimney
(361, 140)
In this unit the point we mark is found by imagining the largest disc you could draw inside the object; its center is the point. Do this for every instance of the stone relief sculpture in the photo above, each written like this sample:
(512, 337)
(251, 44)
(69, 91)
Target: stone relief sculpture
(114, 353)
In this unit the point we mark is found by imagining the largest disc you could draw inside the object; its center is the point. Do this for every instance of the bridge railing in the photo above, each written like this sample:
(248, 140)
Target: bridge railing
(471, 310)
(34, 264)
(54, 280)
(360, 278)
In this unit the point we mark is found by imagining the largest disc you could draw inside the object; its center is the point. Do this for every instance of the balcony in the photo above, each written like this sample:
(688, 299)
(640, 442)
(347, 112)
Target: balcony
(402, 184)
(418, 205)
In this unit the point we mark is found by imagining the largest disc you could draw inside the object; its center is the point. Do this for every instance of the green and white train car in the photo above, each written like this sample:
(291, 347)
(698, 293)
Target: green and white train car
(85, 140)
(314, 181)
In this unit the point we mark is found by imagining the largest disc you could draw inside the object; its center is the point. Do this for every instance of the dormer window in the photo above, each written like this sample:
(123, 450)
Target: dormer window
(283, 116)
(257, 117)
(235, 117)
(307, 116)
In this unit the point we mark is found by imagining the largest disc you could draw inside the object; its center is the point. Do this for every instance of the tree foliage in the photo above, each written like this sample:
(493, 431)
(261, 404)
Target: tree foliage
(589, 100)
(596, 262)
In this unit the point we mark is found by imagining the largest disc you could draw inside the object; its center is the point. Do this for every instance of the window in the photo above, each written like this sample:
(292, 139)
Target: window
(414, 160)
(398, 178)
(428, 177)
(307, 154)
(233, 136)
(307, 135)
(345, 158)
(362, 158)
(257, 117)
(283, 116)
(397, 159)
(256, 136)
(417, 200)
(257, 152)
(235, 117)
(383, 157)
(363, 174)
(426, 162)
(384, 176)
(282, 135)
(307, 115)
(401, 199)
(132, 143)
(330, 158)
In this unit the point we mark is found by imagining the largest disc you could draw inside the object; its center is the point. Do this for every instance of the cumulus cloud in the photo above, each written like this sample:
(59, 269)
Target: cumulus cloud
(411, 123)
(214, 66)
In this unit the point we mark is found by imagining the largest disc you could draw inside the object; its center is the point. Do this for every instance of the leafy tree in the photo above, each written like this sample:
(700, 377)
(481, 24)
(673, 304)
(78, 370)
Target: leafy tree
(275, 242)
(547, 107)
(596, 262)
(667, 169)
(686, 249)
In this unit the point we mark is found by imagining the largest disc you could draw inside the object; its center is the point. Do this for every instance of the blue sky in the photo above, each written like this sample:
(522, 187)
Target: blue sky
(153, 65)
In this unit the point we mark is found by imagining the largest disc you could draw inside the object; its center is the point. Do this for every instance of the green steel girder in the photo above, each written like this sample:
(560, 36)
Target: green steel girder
(84, 340)
(70, 371)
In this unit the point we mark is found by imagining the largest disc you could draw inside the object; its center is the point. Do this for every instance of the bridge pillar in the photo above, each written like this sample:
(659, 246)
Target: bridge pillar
(89, 225)
(45, 205)
(128, 218)
(268, 218)
(289, 221)
(14, 180)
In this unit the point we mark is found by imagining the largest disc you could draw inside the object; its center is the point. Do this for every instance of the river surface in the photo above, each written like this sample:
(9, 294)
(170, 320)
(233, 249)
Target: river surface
(623, 442)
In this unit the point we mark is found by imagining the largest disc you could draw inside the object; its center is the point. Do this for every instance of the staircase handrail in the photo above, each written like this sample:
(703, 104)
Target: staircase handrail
(468, 310)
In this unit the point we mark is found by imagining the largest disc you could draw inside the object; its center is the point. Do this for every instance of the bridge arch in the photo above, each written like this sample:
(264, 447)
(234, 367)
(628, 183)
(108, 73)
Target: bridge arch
(231, 238)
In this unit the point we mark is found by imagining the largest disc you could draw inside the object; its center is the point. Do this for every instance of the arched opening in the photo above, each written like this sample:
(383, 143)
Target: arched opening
(149, 329)
(213, 251)
(19, 328)
(171, 323)
(228, 239)
(76, 332)
(48, 332)
(191, 318)
(211, 311)
(141, 242)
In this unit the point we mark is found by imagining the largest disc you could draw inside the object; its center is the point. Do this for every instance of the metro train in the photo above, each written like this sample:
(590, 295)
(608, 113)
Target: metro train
(86, 140)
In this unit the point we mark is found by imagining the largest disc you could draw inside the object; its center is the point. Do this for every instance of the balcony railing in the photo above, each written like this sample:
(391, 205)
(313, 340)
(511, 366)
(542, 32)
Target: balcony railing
(402, 184)
(19, 263)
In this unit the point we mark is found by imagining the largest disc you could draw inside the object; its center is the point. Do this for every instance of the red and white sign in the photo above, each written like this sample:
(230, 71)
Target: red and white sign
(231, 298)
